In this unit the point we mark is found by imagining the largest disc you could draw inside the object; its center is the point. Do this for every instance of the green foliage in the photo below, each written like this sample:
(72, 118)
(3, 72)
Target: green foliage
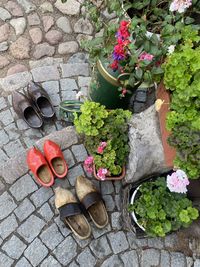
(160, 211)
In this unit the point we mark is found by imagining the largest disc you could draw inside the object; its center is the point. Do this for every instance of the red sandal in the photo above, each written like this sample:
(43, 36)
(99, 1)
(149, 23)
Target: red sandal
(39, 167)
(55, 159)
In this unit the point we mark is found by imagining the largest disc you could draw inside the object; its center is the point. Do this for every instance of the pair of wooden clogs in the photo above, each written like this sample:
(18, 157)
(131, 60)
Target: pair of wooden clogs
(71, 212)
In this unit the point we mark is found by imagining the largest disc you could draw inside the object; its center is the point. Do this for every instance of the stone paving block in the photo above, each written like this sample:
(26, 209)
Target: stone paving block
(150, 257)
(107, 188)
(141, 242)
(6, 117)
(47, 61)
(1, 241)
(24, 209)
(73, 264)
(73, 173)
(78, 58)
(31, 228)
(15, 81)
(79, 152)
(36, 252)
(46, 212)
(131, 240)
(27, 5)
(197, 263)
(51, 87)
(116, 220)
(22, 125)
(69, 158)
(86, 254)
(99, 232)
(12, 147)
(110, 204)
(47, 73)
(14, 247)
(3, 103)
(3, 157)
(66, 251)
(112, 262)
(118, 202)
(23, 263)
(4, 137)
(8, 226)
(82, 243)
(164, 259)
(68, 84)
(12, 131)
(118, 242)
(156, 242)
(41, 196)
(190, 262)
(23, 187)
(5, 260)
(177, 259)
(62, 227)
(100, 247)
(118, 186)
(50, 262)
(2, 185)
(130, 259)
(171, 240)
(55, 99)
(51, 237)
(7, 205)
(68, 95)
(84, 81)
(76, 69)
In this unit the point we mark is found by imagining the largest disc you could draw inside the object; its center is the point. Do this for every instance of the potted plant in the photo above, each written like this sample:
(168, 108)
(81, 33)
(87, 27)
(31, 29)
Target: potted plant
(161, 206)
(106, 139)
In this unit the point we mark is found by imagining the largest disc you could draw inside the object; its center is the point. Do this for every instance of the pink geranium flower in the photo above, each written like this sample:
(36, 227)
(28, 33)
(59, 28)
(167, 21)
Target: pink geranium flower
(88, 164)
(146, 56)
(101, 147)
(180, 5)
(102, 173)
(177, 182)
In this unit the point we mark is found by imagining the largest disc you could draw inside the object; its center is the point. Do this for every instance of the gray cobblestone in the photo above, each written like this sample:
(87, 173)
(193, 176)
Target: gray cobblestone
(36, 252)
(130, 259)
(170, 240)
(82, 243)
(24, 209)
(69, 158)
(7, 205)
(110, 204)
(55, 99)
(78, 58)
(141, 242)
(22, 125)
(8, 226)
(51, 237)
(100, 247)
(23, 187)
(3, 157)
(116, 220)
(178, 259)
(107, 188)
(6, 117)
(4, 137)
(197, 263)
(190, 262)
(47, 73)
(113, 261)
(79, 152)
(156, 243)
(131, 240)
(84, 81)
(31, 228)
(5, 260)
(66, 251)
(12, 131)
(73, 173)
(68, 95)
(15, 81)
(164, 259)
(118, 202)
(99, 232)
(62, 227)
(73, 264)
(12, 147)
(51, 87)
(86, 254)
(23, 263)
(50, 262)
(14, 247)
(70, 70)
(118, 242)
(68, 84)
(41, 196)
(46, 212)
(2, 103)
(150, 257)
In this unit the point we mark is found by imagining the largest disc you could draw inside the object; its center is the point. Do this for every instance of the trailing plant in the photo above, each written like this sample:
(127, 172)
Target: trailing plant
(161, 211)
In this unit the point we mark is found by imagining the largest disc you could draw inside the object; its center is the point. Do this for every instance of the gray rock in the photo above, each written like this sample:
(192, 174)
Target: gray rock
(68, 95)
(150, 257)
(62, 227)
(190, 261)
(53, 37)
(8, 226)
(7, 205)
(107, 187)
(69, 158)
(3, 46)
(23, 263)
(55, 99)
(86, 254)
(67, 47)
(41, 196)
(23, 187)
(66, 251)
(164, 259)
(79, 152)
(27, 5)
(51, 237)
(131, 240)
(177, 259)
(84, 81)
(4, 137)
(12, 131)
(110, 204)
(100, 232)
(36, 252)
(36, 35)
(68, 84)
(146, 151)
(16, 69)
(6, 117)
(171, 240)
(197, 263)
(50, 262)
(76, 69)
(14, 247)
(31, 228)
(3, 103)
(4, 14)
(42, 50)
(156, 243)
(52, 87)
(19, 25)
(46, 212)
(130, 258)
(83, 26)
(5, 260)
(141, 242)
(64, 24)
(71, 7)
(113, 261)
(48, 22)
(73, 173)
(116, 220)
(33, 19)
(4, 32)
(83, 37)
(48, 61)
(14, 9)
(78, 58)
(118, 202)
(12, 147)
(24, 209)
(3, 158)
(46, 7)
(118, 242)
(20, 49)
(47, 73)
(100, 247)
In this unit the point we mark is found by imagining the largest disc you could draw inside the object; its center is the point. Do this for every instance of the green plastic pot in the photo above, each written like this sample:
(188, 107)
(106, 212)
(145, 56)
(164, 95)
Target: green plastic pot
(67, 108)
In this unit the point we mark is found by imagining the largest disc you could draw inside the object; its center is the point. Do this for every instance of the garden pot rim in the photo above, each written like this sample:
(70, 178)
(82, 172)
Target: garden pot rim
(111, 178)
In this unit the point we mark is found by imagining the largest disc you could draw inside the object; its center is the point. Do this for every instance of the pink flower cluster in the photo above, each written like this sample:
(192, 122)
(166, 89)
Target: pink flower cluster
(102, 173)
(101, 148)
(88, 164)
(180, 5)
(177, 182)
(146, 56)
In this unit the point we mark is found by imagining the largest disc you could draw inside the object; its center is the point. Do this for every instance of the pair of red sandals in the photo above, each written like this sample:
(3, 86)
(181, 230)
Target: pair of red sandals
(46, 167)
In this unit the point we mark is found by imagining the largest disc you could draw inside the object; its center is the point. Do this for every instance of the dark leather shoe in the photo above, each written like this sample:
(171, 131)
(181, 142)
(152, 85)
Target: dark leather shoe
(41, 99)
(25, 110)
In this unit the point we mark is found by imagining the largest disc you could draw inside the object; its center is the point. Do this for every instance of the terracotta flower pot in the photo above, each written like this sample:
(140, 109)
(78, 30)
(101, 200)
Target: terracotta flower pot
(169, 152)
(111, 178)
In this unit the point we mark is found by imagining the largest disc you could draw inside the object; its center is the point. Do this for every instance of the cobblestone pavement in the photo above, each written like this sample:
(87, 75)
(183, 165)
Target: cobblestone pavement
(39, 40)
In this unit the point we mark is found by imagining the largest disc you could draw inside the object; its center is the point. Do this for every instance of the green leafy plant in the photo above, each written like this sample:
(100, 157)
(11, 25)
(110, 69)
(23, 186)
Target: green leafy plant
(160, 211)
